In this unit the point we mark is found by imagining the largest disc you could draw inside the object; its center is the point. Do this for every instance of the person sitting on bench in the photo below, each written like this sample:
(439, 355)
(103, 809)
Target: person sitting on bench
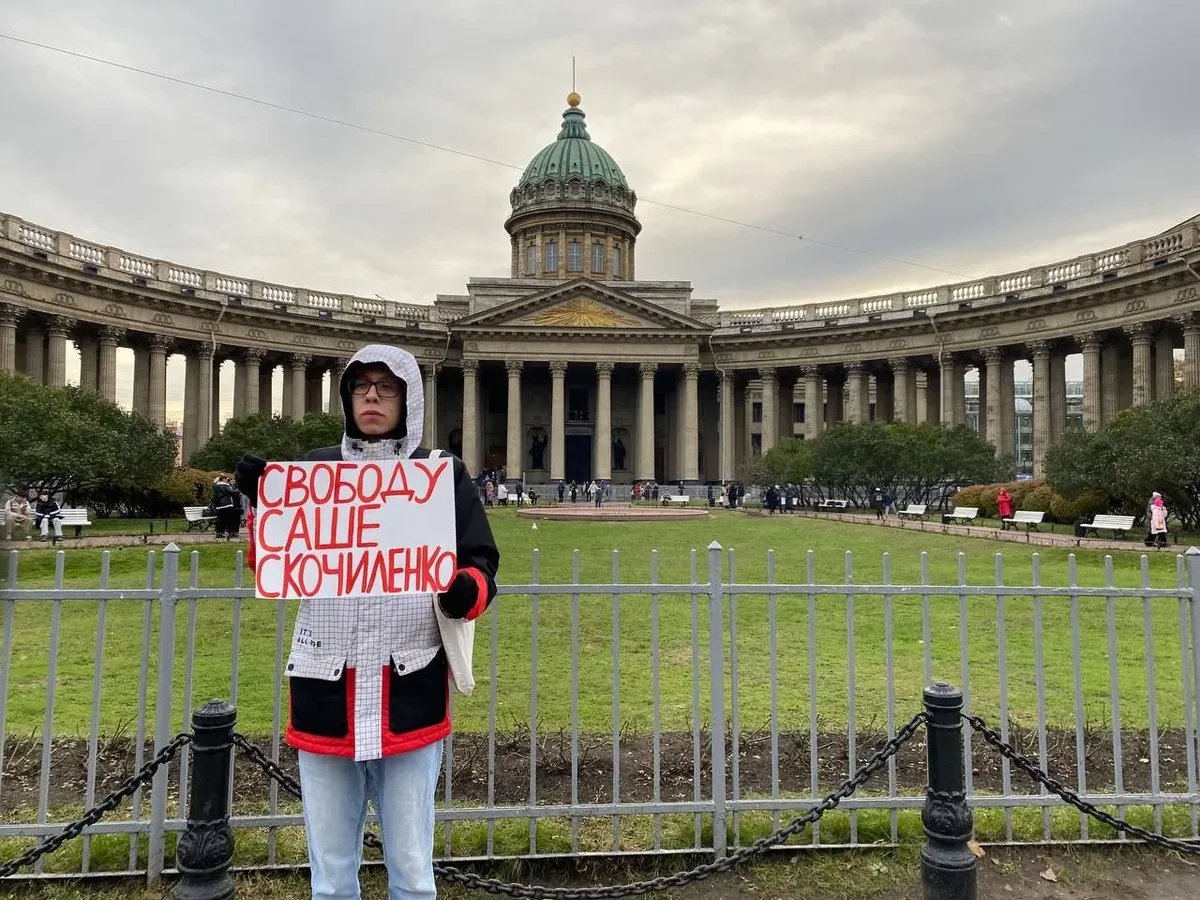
(48, 512)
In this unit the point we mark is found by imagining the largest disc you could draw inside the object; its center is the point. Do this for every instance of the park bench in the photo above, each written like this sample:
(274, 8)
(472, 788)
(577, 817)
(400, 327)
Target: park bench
(681, 499)
(833, 504)
(913, 511)
(1118, 525)
(71, 517)
(196, 519)
(962, 515)
(1030, 518)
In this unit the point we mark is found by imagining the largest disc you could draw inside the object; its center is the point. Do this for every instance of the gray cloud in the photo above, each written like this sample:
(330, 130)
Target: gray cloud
(975, 138)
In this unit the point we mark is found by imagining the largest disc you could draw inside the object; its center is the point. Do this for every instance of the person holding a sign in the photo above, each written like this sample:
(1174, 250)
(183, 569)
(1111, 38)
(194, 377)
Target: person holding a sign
(387, 546)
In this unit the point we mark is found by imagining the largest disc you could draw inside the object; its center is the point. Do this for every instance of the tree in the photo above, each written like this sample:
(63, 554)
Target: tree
(788, 462)
(1143, 449)
(271, 437)
(68, 439)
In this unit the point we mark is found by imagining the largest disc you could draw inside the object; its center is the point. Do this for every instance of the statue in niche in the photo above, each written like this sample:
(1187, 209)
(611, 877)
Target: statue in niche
(537, 448)
(618, 454)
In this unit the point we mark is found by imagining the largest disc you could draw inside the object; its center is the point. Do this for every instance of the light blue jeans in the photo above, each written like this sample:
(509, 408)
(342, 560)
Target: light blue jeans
(401, 788)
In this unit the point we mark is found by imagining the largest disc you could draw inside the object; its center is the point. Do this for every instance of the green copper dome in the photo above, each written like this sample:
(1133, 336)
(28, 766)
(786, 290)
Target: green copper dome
(573, 153)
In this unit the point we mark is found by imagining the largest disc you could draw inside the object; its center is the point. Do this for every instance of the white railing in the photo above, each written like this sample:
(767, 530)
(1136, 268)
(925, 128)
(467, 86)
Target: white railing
(368, 307)
(86, 253)
(1170, 243)
(1064, 272)
(832, 310)
(324, 301)
(1022, 281)
(35, 237)
(275, 294)
(143, 268)
(969, 291)
(223, 284)
(923, 298)
(1113, 260)
(186, 277)
(876, 305)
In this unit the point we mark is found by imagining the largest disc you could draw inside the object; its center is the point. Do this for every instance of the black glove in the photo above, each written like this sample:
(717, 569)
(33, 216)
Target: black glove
(246, 473)
(459, 599)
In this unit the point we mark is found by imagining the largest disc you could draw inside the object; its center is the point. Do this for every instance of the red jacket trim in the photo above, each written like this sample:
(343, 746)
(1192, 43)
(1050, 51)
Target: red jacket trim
(481, 592)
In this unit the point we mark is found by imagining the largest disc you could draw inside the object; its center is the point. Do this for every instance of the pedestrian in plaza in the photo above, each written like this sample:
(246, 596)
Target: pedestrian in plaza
(1158, 522)
(226, 506)
(1004, 507)
(877, 503)
(47, 515)
(369, 680)
(18, 514)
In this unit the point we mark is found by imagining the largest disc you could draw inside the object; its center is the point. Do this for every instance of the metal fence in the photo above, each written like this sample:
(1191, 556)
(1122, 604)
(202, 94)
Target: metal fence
(650, 714)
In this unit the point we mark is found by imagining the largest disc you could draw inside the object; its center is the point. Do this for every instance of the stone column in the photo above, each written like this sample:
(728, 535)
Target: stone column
(514, 458)
(56, 351)
(645, 440)
(691, 423)
(35, 352)
(1039, 351)
(1058, 394)
(297, 377)
(1143, 374)
(337, 369)
(993, 414)
(470, 416)
(191, 402)
(266, 391)
(431, 399)
(204, 392)
(902, 389)
(1090, 345)
(814, 403)
(602, 468)
(953, 400)
(9, 316)
(785, 395)
(110, 339)
(933, 396)
(156, 395)
(252, 367)
(141, 379)
(89, 361)
(214, 426)
(982, 405)
(1164, 364)
(770, 408)
(727, 436)
(239, 387)
(558, 420)
(1110, 381)
(858, 400)
(314, 390)
(1191, 350)
(1008, 407)
(834, 401)
(920, 404)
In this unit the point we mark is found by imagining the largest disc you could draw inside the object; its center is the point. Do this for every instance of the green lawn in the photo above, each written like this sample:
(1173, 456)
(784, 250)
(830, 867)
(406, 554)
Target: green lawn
(751, 536)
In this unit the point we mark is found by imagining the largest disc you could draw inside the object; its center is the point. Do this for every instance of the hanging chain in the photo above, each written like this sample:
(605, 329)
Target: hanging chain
(141, 778)
(637, 888)
(1056, 787)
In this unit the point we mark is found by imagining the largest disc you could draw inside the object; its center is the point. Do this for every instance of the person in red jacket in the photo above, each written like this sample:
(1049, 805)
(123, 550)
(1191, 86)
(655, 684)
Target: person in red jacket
(368, 677)
(1004, 506)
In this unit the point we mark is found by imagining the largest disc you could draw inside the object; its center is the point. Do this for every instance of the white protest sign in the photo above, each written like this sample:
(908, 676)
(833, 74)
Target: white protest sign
(355, 529)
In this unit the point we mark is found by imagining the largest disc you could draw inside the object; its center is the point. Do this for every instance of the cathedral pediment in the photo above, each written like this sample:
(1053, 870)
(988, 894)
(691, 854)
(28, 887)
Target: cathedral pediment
(580, 305)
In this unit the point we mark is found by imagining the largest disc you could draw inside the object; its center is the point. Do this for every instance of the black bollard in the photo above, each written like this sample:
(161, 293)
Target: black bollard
(948, 867)
(205, 850)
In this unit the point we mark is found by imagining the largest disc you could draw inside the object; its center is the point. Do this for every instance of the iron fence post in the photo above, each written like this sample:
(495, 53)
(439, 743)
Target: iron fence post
(716, 687)
(205, 849)
(948, 867)
(1192, 557)
(156, 846)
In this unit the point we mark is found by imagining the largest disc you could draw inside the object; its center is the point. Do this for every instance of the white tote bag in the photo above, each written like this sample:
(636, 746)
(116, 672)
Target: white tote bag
(458, 639)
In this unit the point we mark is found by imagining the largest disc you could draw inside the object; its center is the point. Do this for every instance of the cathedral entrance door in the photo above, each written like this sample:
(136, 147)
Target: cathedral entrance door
(578, 458)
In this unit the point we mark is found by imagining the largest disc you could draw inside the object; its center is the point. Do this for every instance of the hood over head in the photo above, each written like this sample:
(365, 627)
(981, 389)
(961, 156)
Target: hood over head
(406, 437)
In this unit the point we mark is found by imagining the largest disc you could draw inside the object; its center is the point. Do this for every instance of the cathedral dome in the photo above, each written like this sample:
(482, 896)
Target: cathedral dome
(573, 153)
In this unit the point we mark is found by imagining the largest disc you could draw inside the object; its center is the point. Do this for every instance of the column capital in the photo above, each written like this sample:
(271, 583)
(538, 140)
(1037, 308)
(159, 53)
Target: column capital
(10, 314)
(470, 367)
(558, 368)
(1039, 350)
(811, 372)
(691, 370)
(161, 343)
(300, 361)
(994, 356)
(900, 364)
(60, 326)
(1188, 321)
(647, 369)
(604, 369)
(514, 366)
(1138, 333)
(1091, 342)
(430, 370)
(854, 369)
(253, 355)
(112, 335)
(205, 350)
(768, 374)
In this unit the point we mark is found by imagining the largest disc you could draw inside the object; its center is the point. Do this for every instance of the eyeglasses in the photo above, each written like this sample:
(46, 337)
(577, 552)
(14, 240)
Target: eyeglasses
(385, 390)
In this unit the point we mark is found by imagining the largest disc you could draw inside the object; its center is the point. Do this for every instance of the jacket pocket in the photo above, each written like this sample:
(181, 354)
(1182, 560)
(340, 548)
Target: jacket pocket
(319, 705)
(416, 689)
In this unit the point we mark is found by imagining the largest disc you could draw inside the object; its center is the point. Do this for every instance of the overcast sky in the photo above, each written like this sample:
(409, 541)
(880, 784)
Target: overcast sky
(971, 137)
